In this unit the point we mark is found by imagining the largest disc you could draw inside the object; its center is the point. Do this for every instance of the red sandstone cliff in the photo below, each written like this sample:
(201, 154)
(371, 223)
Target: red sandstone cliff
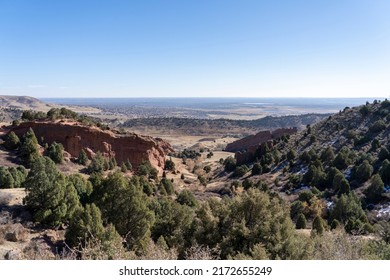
(245, 148)
(75, 137)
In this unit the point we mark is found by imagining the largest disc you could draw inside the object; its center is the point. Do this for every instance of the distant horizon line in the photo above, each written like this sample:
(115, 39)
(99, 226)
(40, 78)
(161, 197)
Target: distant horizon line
(197, 97)
(201, 97)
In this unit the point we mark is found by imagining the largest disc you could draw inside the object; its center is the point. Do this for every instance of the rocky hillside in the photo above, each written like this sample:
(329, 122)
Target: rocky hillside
(357, 128)
(336, 171)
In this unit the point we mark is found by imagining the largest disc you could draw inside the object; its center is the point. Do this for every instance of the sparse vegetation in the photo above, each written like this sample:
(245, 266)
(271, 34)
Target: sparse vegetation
(326, 182)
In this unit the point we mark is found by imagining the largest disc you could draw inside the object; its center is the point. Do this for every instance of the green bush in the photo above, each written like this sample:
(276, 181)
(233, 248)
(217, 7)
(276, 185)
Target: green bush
(82, 158)
(230, 164)
(97, 164)
(291, 155)
(147, 170)
(169, 165)
(240, 170)
(378, 126)
(256, 169)
(186, 197)
(11, 141)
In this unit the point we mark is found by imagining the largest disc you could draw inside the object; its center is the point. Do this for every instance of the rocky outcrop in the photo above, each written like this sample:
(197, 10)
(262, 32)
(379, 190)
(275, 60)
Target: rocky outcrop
(245, 148)
(255, 140)
(15, 233)
(75, 137)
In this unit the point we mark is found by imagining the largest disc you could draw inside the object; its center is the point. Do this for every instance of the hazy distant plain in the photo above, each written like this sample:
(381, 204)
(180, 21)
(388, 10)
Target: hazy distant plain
(212, 108)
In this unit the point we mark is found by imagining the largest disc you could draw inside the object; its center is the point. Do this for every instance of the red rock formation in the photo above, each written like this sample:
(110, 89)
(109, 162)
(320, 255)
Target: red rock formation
(245, 148)
(75, 137)
(249, 141)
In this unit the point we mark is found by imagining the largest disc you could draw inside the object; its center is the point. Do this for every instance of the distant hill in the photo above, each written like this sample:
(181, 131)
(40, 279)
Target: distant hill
(23, 103)
(223, 126)
(11, 107)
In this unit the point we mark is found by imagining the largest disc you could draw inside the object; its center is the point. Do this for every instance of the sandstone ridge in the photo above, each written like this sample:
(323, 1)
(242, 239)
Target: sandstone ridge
(245, 148)
(75, 137)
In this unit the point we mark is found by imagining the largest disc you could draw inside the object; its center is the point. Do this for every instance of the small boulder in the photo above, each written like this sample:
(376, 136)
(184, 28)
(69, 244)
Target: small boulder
(15, 233)
(14, 254)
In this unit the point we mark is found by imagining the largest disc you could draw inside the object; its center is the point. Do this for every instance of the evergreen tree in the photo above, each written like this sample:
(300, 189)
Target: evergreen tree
(335, 224)
(230, 164)
(6, 179)
(256, 169)
(147, 170)
(97, 163)
(378, 126)
(255, 217)
(123, 167)
(364, 171)
(318, 225)
(301, 222)
(247, 184)
(19, 175)
(375, 190)
(384, 154)
(85, 224)
(169, 164)
(29, 148)
(340, 184)
(51, 198)
(173, 222)
(385, 171)
(125, 205)
(82, 158)
(343, 158)
(56, 152)
(128, 164)
(291, 155)
(328, 155)
(331, 173)
(147, 187)
(348, 210)
(111, 163)
(12, 141)
(186, 197)
(305, 157)
(344, 187)
(375, 144)
(83, 187)
(106, 163)
(240, 170)
(167, 185)
(115, 164)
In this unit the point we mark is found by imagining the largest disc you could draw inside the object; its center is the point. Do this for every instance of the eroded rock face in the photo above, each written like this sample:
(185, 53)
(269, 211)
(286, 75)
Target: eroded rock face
(245, 148)
(75, 137)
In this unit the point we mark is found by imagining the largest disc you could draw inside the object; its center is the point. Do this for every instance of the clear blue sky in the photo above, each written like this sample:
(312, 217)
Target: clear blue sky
(213, 48)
